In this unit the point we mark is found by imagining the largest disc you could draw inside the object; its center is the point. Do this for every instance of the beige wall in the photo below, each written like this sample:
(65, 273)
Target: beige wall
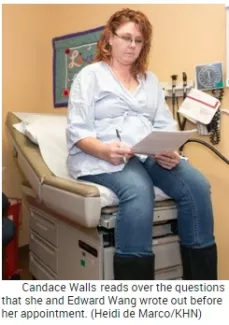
(184, 36)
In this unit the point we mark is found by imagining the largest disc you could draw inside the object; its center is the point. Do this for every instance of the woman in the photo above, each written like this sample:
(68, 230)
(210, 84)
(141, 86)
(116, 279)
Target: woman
(116, 95)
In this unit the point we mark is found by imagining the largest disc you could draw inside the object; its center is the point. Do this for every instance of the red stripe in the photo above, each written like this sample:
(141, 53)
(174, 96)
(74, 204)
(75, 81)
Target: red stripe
(200, 101)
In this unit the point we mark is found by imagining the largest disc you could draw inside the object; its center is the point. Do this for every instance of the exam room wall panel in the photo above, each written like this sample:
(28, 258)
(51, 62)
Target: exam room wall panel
(184, 36)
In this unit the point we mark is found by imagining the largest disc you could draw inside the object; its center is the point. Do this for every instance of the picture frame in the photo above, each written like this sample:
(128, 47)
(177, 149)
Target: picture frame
(71, 53)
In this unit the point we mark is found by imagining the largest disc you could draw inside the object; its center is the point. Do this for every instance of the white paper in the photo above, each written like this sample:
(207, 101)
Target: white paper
(162, 141)
(19, 127)
(199, 106)
(51, 138)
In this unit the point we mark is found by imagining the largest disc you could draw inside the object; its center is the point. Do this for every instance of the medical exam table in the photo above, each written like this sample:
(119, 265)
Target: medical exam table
(71, 226)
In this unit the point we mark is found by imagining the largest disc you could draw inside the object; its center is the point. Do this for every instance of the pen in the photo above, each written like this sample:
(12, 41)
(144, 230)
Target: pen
(119, 137)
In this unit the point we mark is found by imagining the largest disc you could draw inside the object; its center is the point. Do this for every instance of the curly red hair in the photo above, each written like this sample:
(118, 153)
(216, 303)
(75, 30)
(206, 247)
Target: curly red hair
(116, 20)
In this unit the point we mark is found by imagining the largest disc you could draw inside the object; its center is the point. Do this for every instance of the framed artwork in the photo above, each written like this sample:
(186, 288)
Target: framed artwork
(71, 53)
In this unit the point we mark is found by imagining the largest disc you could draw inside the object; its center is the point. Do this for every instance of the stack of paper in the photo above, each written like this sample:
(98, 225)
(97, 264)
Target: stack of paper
(162, 141)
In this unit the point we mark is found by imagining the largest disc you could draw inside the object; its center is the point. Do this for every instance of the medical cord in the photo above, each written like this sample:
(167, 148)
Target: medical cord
(208, 146)
(184, 78)
(174, 80)
(214, 126)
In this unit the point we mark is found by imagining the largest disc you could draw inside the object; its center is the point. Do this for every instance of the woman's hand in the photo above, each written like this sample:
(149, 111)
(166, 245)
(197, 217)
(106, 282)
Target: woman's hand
(167, 160)
(117, 152)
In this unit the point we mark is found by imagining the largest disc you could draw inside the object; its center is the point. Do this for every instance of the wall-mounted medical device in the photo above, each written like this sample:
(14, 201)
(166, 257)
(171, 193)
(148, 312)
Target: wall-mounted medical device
(209, 76)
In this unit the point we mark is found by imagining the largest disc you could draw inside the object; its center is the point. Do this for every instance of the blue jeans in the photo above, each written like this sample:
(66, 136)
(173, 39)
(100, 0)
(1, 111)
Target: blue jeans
(134, 186)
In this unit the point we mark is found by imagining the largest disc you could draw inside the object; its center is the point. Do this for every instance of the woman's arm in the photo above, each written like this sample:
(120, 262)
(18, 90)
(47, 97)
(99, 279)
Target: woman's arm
(80, 117)
(92, 146)
(114, 152)
(81, 134)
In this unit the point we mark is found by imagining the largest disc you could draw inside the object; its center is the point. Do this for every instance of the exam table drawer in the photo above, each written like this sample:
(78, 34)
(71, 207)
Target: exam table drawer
(44, 227)
(167, 252)
(171, 273)
(39, 270)
(42, 249)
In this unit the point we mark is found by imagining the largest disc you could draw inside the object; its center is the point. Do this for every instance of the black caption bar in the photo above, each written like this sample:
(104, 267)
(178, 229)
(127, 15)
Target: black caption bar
(9, 288)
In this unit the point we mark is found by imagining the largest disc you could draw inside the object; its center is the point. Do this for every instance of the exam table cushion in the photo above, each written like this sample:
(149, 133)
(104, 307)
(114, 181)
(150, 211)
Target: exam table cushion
(42, 152)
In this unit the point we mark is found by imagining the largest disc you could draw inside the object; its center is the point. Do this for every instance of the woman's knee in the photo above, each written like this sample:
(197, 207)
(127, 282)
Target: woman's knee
(136, 202)
(193, 183)
(199, 183)
(138, 192)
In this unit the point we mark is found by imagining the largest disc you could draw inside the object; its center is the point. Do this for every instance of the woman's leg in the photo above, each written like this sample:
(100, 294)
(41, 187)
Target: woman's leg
(134, 259)
(191, 191)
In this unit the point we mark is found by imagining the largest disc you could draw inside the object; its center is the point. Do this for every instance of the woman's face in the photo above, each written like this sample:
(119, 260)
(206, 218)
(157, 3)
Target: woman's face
(126, 43)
